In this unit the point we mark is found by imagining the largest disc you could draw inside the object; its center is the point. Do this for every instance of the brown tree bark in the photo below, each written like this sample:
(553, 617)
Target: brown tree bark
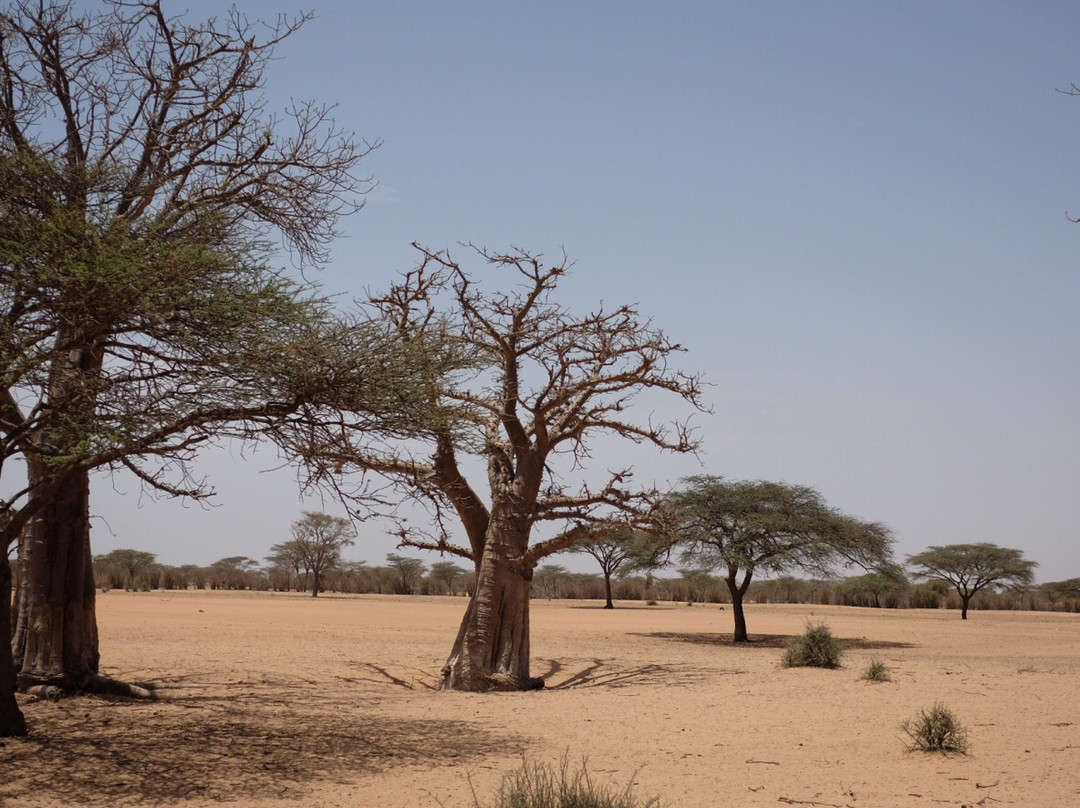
(491, 651)
(738, 590)
(12, 722)
(56, 639)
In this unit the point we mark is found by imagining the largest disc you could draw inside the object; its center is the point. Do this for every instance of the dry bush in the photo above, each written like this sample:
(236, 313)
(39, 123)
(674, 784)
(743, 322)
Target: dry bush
(815, 648)
(936, 730)
(540, 785)
(877, 671)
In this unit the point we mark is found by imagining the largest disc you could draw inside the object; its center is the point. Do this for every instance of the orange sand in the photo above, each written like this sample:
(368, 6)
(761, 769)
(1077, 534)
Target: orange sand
(270, 700)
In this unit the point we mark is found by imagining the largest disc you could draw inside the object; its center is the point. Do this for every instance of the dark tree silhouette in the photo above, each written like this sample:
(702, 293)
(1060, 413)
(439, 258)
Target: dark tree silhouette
(970, 568)
(745, 527)
(623, 550)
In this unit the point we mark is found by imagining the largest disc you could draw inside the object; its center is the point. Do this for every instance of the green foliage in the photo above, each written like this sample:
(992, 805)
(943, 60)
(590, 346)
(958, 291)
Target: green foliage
(815, 648)
(936, 730)
(539, 785)
(877, 671)
(970, 568)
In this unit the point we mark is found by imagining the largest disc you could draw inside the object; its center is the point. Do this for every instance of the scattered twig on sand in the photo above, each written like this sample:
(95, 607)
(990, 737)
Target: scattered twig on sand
(769, 762)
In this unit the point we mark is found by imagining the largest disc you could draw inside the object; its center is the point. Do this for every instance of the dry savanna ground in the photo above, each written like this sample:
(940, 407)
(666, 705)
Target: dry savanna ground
(274, 700)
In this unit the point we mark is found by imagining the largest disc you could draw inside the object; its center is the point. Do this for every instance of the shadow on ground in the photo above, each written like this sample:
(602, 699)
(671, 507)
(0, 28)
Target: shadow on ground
(607, 673)
(770, 640)
(253, 742)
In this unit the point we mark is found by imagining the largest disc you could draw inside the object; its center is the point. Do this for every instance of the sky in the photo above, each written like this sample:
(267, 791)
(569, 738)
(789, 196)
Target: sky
(854, 217)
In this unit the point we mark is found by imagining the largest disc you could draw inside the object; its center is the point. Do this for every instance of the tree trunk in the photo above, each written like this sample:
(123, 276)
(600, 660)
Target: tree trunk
(737, 591)
(12, 722)
(56, 640)
(607, 591)
(315, 584)
(491, 651)
(964, 606)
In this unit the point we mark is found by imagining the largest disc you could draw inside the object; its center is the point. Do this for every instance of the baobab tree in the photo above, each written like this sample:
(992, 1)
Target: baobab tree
(544, 383)
(750, 526)
(144, 187)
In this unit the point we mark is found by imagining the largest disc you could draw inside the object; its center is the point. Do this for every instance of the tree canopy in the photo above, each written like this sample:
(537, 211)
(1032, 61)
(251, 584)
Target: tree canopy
(315, 547)
(747, 527)
(970, 568)
(145, 192)
(541, 385)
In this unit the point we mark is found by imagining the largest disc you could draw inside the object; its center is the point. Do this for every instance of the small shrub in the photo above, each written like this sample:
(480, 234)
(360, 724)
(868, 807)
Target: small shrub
(936, 730)
(539, 785)
(650, 602)
(816, 648)
(877, 671)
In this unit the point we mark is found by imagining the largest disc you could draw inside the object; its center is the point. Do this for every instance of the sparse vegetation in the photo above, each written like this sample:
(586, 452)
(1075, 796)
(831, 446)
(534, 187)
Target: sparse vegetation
(541, 785)
(815, 648)
(877, 671)
(936, 730)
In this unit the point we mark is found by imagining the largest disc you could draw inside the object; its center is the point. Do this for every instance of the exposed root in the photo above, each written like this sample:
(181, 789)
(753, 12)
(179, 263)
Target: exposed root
(103, 685)
(57, 687)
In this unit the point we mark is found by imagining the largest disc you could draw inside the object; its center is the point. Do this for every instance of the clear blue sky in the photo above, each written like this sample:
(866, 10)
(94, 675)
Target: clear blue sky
(854, 216)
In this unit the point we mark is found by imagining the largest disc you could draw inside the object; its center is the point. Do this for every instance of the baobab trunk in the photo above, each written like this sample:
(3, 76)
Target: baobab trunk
(56, 639)
(12, 722)
(491, 651)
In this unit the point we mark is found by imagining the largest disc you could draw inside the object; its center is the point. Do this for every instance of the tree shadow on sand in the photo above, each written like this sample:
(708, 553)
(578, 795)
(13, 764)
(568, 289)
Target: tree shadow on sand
(218, 748)
(770, 640)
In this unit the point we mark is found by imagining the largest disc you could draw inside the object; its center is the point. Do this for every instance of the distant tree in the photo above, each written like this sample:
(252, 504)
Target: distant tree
(234, 572)
(888, 578)
(697, 583)
(545, 384)
(408, 573)
(971, 568)
(446, 573)
(624, 550)
(550, 580)
(316, 545)
(1067, 590)
(130, 564)
(742, 528)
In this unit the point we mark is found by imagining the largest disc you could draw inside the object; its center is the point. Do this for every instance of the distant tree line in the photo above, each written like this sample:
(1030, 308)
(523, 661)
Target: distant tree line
(139, 571)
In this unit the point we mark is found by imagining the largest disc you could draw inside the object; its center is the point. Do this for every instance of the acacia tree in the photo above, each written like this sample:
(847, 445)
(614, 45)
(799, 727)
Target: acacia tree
(623, 550)
(407, 573)
(970, 568)
(446, 573)
(544, 383)
(143, 185)
(124, 566)
(745, 527)
(316, 545)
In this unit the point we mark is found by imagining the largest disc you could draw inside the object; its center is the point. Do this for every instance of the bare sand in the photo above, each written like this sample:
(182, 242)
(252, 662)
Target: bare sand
(274, 700)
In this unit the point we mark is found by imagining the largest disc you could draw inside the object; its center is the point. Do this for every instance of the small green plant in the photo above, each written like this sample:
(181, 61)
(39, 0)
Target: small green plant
(540, 785)
(877, 671)
(936, 730)
(815, 648)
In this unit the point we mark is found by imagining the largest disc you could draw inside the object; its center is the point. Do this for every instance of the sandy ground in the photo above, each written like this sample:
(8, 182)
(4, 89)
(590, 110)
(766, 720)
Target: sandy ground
(274, 700)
